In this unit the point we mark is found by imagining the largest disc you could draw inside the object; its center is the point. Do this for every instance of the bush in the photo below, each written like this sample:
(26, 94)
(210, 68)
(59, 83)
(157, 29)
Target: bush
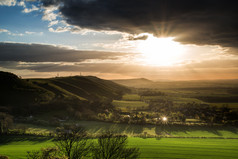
(45, 153)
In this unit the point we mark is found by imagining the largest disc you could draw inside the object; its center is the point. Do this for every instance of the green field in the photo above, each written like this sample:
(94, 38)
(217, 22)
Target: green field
(34, 129)
(125, 105)
(97, 127)
(131, 97)
(186, 148)
(150, 148)
(16, 147)
(174, 99)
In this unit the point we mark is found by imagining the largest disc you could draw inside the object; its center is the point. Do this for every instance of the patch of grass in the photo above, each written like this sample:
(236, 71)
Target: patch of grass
(34, 129)
(186, 148)
(16, 147)
(230, 105)
(131, 97)
(175, 99)
(127, 105)
(96, 127)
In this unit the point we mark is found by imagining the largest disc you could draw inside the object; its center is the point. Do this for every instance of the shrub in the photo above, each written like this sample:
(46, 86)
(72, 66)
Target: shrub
(45, 153)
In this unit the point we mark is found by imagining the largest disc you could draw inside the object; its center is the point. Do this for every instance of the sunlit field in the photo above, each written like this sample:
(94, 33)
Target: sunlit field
(131, 97)
(128, 104)
(16, 147)
(133, 130)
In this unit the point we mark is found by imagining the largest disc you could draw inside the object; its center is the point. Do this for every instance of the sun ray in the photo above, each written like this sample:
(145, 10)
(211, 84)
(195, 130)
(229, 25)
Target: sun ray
(160, 51)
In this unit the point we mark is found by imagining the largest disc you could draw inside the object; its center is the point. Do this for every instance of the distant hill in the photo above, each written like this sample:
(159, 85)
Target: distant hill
(137, 82)
(145, 83)
(24, 95)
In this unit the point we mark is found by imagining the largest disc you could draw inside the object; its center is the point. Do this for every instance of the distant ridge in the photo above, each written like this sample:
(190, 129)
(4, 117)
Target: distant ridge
(168, 84)
(136, 82)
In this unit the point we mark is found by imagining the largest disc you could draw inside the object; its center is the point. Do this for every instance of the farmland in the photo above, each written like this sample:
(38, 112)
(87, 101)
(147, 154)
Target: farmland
(129, 104)
(177, 120)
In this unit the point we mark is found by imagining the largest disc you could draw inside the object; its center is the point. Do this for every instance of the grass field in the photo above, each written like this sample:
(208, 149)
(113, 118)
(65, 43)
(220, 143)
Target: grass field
(131, 97)
(17, 147)
(150, 148)
(173, 98)
(97, 127)
(126, 105)
(34, 129)
(186, 148)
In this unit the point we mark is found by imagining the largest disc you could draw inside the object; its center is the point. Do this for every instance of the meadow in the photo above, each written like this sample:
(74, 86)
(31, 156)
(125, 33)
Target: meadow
(180, 148)
(126, 105)
(133, 130)
(131, 97)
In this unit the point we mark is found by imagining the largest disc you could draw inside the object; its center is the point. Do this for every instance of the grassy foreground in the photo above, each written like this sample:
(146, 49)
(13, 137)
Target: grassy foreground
(181, 148)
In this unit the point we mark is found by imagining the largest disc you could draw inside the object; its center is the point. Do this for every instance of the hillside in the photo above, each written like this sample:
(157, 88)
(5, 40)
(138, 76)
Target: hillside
(31, 95)
(15, 91)
(81, 87)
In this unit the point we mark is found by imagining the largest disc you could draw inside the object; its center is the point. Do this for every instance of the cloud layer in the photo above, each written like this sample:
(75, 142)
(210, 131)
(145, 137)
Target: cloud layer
(39, 60)
(202, 22)
(50, 53)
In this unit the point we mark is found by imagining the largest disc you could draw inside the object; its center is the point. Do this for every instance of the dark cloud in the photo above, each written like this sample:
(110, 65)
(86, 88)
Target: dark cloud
(83, 67)
(119, 68)
(142, 37)
(49, 53)
(190, 21)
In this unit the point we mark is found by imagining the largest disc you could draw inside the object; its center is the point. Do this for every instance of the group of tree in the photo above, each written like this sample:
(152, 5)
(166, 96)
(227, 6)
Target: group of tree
(72, 142)
(6, 122)
(176, 113)
(203, 112)
(151, 93)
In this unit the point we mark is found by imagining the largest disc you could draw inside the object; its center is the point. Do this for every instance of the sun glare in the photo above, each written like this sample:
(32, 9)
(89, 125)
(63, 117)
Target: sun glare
(160, 51)
(164, 119)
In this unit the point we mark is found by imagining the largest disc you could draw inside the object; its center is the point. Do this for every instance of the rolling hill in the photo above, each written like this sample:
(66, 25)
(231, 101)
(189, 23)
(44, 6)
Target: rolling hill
(163, 84)
(30, 95)
(81, 87)
(136, 83)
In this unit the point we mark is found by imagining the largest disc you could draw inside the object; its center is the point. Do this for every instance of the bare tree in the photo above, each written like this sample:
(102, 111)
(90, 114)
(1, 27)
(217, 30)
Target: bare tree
(73, 142)
(110, 146)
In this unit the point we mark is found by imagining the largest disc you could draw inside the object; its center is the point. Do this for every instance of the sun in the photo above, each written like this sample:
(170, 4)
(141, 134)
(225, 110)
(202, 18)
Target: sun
(160, 51)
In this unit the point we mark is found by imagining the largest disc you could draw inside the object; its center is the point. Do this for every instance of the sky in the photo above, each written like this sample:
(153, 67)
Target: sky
(120, 39)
